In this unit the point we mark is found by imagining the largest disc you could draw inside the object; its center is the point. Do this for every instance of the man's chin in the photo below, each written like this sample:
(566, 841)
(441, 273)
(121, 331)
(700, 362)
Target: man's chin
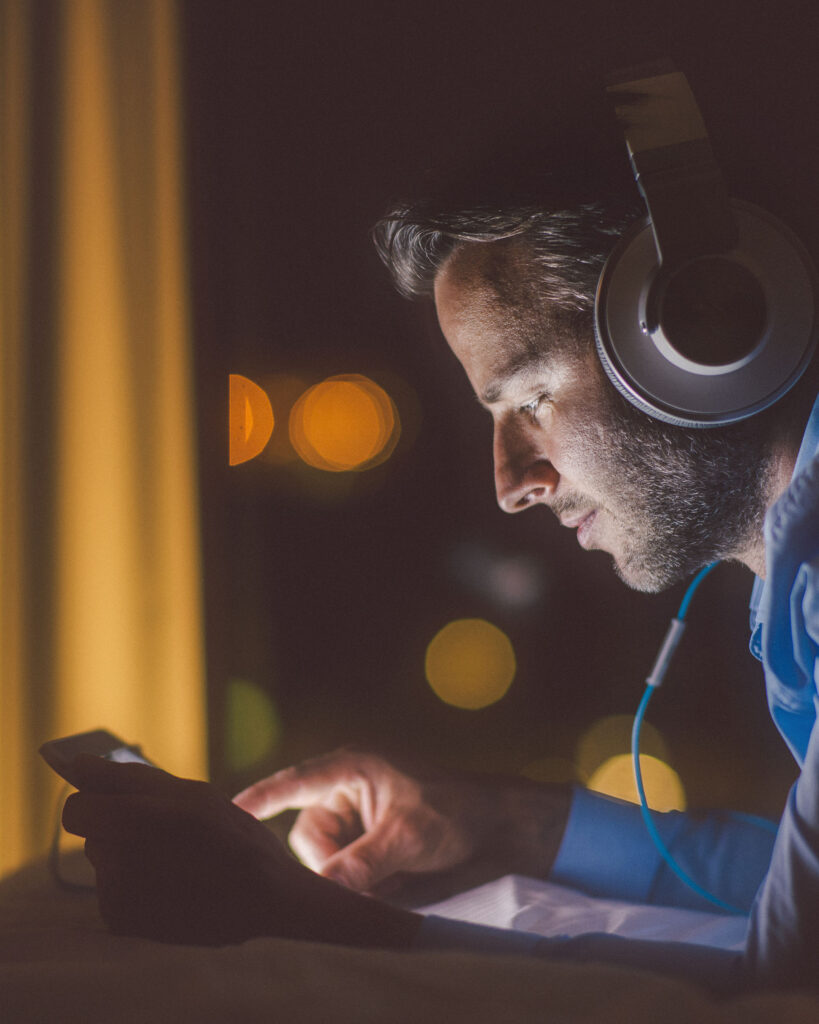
(644, 578)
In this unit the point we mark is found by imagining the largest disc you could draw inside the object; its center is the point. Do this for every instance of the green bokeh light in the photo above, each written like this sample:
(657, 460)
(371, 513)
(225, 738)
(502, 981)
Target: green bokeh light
(253, 727)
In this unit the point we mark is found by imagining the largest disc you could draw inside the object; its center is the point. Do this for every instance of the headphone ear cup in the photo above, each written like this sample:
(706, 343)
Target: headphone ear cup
(631, 395)
(660, 370)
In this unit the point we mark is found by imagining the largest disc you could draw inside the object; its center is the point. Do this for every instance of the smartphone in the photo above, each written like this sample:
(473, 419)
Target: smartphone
(59, 754)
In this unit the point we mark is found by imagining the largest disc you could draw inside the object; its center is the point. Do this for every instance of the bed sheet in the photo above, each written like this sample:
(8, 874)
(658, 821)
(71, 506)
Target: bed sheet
(543, 908)
(57, 962)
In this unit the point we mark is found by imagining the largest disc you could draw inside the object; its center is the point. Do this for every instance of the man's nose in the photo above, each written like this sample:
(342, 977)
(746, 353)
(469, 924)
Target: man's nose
(523, 474)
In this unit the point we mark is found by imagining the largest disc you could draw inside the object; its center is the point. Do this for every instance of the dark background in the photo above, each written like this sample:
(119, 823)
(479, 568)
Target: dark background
(304, 121)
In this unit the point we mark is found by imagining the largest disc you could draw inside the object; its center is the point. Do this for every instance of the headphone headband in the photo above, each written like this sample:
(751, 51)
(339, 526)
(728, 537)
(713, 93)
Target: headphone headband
(706, 310)
(674, 166)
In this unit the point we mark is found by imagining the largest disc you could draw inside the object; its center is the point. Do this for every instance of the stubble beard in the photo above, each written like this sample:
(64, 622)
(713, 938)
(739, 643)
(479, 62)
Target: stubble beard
(679, 498)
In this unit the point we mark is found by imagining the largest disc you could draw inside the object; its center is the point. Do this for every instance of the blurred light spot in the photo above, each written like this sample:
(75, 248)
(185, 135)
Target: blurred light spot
(250, 419)
(664, 790)
(252, 728)
(470, 663)
(610, 736)
(551, 769)
(344, 423)
(512, 582)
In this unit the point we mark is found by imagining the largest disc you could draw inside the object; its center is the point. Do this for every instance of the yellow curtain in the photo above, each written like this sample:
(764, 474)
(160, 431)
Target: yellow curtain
(100, 618)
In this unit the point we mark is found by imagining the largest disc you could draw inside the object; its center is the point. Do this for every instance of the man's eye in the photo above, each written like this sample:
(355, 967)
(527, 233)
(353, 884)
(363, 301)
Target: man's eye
(533, 408)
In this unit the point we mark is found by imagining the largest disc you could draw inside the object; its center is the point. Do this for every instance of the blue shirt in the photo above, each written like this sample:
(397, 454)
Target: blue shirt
(776, 878)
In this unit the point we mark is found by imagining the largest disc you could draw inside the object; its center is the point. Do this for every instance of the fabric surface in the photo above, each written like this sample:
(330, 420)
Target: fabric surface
(544, 909)
(58, 963)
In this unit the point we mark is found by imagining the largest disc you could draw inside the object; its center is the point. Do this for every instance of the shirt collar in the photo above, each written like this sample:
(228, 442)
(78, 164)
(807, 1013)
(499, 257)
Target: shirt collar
(808, 448)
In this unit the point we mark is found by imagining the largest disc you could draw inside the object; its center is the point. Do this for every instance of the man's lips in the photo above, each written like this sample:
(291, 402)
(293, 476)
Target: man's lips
(583, 524)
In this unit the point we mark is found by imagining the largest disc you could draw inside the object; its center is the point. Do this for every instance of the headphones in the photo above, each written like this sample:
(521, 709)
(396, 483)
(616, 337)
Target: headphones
(706, 310)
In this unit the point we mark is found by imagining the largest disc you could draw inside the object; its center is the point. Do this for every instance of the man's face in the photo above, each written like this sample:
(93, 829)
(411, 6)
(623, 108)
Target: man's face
(662, 501)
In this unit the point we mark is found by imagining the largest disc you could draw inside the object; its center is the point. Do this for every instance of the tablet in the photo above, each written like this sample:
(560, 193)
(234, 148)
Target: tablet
(60, 754)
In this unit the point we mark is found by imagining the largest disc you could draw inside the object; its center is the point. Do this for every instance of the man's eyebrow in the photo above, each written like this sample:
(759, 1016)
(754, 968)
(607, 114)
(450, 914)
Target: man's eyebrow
(527, 364)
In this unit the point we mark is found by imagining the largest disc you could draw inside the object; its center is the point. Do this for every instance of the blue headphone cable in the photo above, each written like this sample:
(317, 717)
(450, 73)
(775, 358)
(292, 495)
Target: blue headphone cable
(655, 678)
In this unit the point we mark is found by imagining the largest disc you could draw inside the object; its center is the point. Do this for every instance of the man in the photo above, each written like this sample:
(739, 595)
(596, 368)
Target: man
(514, 290)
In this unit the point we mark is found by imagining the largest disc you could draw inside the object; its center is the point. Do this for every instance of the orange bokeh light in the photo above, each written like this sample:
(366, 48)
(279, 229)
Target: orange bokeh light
(344, 423)
(250, 419)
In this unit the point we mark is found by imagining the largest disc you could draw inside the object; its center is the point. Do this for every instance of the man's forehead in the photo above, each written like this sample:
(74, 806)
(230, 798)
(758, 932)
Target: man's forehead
(468, 296)
(517, 372)
(487, 266)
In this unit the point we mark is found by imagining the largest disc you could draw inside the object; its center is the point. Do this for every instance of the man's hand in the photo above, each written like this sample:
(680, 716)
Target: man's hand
(363, 821)
(177, 861)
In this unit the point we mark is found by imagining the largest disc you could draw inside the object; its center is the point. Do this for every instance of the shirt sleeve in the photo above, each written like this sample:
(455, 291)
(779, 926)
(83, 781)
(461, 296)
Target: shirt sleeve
(607, 852)
(784, 930)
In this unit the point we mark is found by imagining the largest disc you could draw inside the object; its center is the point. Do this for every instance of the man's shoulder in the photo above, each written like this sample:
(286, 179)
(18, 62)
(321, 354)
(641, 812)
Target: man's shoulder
(786, 637)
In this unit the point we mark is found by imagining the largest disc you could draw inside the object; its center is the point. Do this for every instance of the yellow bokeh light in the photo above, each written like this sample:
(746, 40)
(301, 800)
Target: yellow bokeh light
(252, 726)
(344, 423)
(610, 736)
(663, 788)
(470, 663)
(250, 419)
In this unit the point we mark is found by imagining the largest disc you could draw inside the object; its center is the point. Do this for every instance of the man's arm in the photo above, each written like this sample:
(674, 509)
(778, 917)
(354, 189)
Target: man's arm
(784, 934)
(607, 852)
(363, 820)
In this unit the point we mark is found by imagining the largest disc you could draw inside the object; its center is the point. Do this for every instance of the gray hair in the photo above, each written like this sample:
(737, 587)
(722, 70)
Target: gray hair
(566, 248)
